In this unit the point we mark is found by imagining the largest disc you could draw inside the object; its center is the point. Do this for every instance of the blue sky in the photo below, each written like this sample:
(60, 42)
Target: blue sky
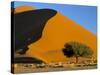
(86, 16)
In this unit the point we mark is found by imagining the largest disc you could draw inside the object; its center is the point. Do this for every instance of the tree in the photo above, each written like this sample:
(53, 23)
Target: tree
(78, 49)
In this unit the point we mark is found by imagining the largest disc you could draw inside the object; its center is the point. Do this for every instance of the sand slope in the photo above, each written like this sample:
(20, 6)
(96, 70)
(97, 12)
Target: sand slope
(20, 9)
(57, 32)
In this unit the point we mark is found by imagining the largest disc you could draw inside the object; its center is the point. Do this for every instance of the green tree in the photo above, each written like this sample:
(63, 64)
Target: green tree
(79, 50)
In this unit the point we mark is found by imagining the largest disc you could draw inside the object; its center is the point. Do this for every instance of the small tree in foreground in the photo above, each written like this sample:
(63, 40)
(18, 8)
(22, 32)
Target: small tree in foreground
(77, 50)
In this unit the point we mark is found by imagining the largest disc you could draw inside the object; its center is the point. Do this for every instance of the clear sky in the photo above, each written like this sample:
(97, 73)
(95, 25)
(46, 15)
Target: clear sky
(86, 16)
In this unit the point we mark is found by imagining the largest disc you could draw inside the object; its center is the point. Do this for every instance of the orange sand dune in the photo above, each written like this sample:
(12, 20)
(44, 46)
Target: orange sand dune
(57, 32)
(23, 8)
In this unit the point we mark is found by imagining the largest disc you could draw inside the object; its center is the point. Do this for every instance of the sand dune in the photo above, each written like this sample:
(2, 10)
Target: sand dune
(19, 9)
(58, 31)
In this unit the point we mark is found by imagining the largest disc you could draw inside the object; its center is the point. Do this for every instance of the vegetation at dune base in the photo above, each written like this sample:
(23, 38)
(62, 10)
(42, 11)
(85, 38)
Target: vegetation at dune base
(76, 49)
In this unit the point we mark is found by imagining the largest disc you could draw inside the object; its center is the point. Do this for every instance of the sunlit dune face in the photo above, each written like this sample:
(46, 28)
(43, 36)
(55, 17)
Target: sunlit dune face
(23, 9)
(59, 30)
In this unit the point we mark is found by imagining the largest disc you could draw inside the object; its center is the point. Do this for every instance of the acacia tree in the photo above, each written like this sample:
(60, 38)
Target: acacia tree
(78, 49)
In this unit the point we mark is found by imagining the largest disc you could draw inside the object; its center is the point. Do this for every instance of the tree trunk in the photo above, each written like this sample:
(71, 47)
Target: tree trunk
(76, 59)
